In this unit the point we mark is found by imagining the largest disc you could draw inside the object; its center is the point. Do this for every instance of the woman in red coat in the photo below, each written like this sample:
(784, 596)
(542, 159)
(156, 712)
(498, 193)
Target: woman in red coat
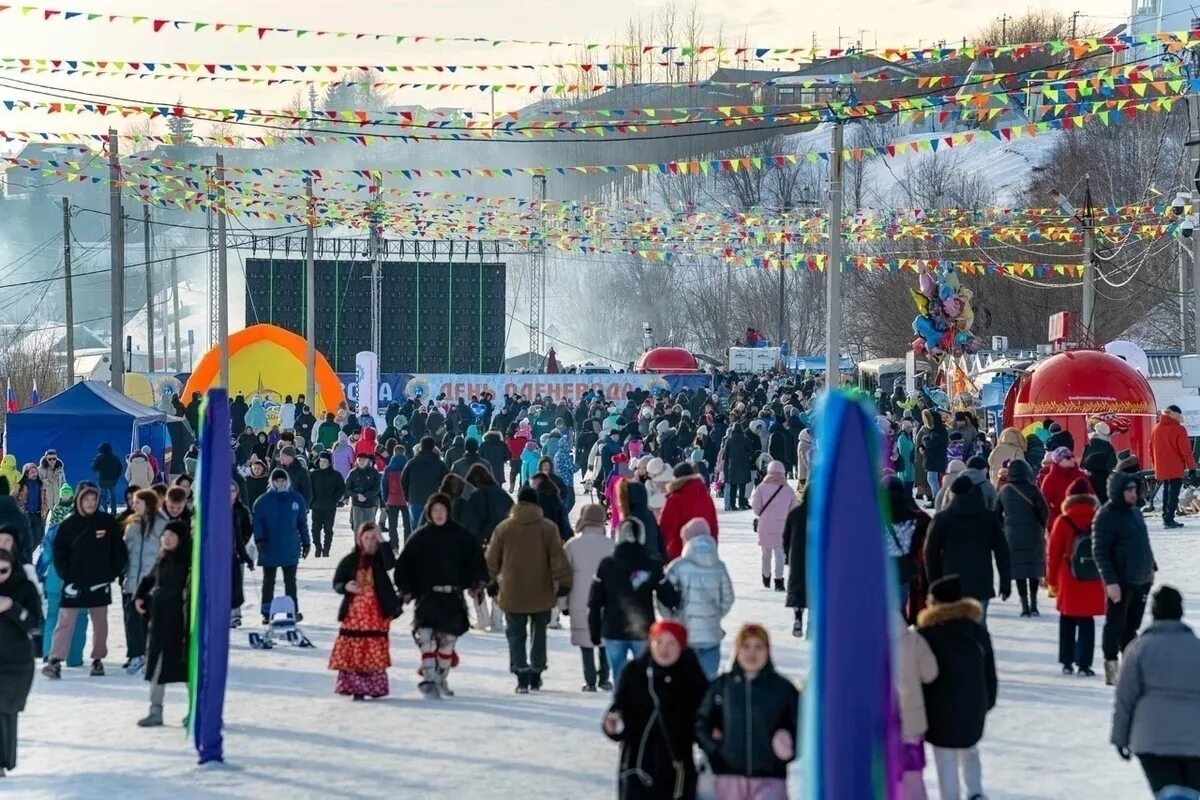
(687, 499)
(1056, 485)
(1079, 601)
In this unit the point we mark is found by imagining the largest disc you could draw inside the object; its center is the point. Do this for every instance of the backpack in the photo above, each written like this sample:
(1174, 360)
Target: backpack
(1083, 562)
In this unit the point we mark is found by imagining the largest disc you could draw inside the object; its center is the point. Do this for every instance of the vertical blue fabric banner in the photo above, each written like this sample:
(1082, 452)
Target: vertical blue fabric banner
(212, 578)
(851, 744)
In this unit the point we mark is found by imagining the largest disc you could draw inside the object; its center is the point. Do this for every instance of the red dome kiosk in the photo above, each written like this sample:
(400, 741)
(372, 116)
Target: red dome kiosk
(667, 361)
(1074, 387)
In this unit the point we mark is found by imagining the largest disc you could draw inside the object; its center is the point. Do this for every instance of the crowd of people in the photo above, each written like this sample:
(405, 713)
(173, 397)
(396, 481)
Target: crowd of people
(515, 513)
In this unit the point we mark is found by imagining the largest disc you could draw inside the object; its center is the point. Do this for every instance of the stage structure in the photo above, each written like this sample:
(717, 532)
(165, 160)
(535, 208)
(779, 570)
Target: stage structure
(441, 303)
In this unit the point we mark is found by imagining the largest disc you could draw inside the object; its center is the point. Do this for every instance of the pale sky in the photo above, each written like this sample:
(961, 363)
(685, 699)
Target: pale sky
(766, 23)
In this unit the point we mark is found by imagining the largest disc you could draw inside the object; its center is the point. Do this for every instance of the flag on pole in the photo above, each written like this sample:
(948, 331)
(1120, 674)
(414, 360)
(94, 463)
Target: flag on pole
(11, 399)
(212, 553)
(35, 398)
(851, 716)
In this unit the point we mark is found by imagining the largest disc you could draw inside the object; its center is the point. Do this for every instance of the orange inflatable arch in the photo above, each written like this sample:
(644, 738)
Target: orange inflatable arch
(268, 360)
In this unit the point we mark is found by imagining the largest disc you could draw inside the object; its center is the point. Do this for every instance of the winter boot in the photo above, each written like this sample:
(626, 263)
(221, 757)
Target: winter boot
(1068, 669)
(53, 670)
(135, 665)
(589, 687)
(523, 682)
(606, 685)
(766, 581)
(428, 690)
(1086, 672)
(1033, 609)
(442, 686)
(535, 681)
(1110, 673)
(779, 587)
(97, 668)
(152, 720)
(235, 618)
(1024, 606)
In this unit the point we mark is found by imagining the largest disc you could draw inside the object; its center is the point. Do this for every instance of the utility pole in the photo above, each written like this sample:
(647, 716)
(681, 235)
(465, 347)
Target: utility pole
(782, 290)
(1004, 20)
(69, 298)
(1074, 23)
(376, 224)
(833, 267)
(175, 311)
(116, 237)
(146, 249)
(310, 298)
(1089, 267)
(537, 273)
(222, 276)
(1193, 156)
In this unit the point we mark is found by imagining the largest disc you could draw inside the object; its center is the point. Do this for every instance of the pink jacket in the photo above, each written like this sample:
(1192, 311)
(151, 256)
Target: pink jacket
(772, 513)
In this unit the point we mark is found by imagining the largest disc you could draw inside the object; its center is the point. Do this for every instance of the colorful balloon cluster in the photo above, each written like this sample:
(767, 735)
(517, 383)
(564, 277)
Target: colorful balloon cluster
(944, 314)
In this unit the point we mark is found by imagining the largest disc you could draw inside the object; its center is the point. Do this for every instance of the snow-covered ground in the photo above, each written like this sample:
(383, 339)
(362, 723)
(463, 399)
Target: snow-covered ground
(287, 734)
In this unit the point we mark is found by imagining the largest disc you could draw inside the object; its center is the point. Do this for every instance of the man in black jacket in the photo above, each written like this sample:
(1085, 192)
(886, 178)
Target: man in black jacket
(297, 472)
(963, 540)
(495, 453)
(328, 489)
(421, 478)
(108, 469)
(1121, 547)
(362, 486)
(470, 458)
(89, 554)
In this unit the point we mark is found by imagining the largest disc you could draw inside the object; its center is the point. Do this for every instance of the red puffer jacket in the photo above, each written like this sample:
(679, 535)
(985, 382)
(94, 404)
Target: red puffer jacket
(1170, 448)
(687, 499)
(1056, 486)
(1076, 598)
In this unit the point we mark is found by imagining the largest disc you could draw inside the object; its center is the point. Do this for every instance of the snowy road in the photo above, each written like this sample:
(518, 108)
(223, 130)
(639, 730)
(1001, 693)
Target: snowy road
(287, 733)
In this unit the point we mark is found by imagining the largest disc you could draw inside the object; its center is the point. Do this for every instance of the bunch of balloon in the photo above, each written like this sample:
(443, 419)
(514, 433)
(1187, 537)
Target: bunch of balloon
(944, 319)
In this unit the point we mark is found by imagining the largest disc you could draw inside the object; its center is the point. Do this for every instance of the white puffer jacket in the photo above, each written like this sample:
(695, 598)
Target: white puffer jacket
(706, 592)
(142, 547)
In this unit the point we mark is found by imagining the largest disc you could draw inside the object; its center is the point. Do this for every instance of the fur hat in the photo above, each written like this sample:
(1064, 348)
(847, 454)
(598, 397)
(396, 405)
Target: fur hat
(656, 470)
(955, 466)
(669, 627)
(697, 526)
(1102, 430)
(1062, 454)
(644, 462)
(590, 514)
(631, 529)
(946, 590)
(1080, 486)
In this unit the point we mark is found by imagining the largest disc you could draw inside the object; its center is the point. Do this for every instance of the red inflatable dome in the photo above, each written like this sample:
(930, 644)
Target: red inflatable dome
(667, 361)
(1076, 387)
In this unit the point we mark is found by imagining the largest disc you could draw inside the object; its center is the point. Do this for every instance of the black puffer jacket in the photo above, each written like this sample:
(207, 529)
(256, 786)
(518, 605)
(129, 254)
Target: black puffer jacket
(422, 476)
(328, 488)
(89, 554)
(435, 566)
(795, 544)
(962, 541)
(495, 452)
(748, 713)
(737, 457)
(1120, 541)
(1024, 514)
(621, 600)
(164, 592)
(108, 467)
(957, 702)
(491, 505)
(363, 481)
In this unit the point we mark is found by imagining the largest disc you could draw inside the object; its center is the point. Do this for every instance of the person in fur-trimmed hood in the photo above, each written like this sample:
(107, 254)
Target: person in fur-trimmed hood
(958, 700)
(687, 499)
(1079, 601)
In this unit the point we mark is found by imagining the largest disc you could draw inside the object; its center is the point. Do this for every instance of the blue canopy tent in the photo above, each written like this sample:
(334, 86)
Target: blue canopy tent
(76, 421)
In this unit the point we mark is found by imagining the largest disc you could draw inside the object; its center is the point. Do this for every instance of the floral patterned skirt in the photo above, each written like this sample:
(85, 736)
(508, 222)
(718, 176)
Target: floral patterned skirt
(362, 643)
(366, 684)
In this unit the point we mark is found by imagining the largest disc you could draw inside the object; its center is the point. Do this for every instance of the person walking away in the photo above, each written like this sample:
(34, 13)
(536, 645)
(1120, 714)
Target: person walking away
(958, 699)
(937, 444)
(470, 458)
(963, 541)
(490, 505)
(142, 537)
(954, 468)
(1171, 454)
(53, 475)
(795, 544)
(435, 568)
(89, 554)
(515, 441)
(20, 619)
(1121, 547)
(1100, 446)
(33, 498)
(362, 651)
(107, 469)
(421, 478)
(905, 531)
(917, 668)
(1157, 701)
(736, 467)
(1057, 481)
(525, 556)
(362, 486)
(138, 471)
(394, 499)
(495, 453)
(162, 597)
(687, 498)
(280, 522)
(584, 552)
(771, 502)
(343, 454)
(653, 715)
(1072, 575)
(633, 500)
(746, 724)
(243, 534)
(328, 431)
(622, 595)
(1024, 516)
(52, 583)
(328, 491)
(705, 594)
(1010, 447)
